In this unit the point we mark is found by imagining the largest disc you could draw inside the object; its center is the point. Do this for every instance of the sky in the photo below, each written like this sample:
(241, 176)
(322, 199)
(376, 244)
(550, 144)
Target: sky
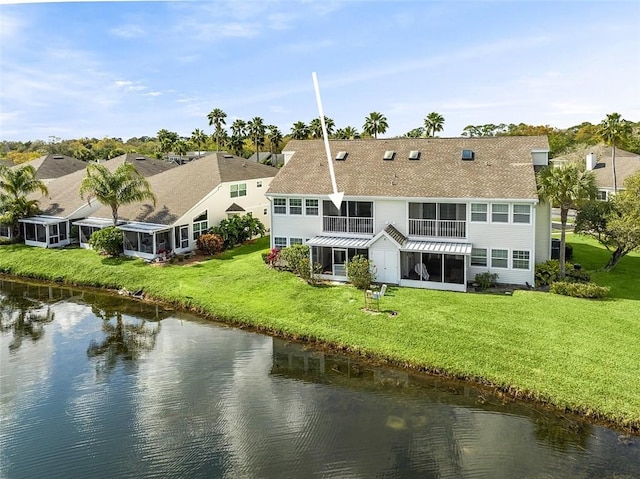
(128, 69)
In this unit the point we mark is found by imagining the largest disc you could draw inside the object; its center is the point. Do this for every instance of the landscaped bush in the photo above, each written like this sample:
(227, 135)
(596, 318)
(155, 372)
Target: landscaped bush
(272, 258)
(209, 243)
(486, 280)
(579, 290)
(107, 241)
(360, 272)
(296, 259)
(238, 229)
(577, 275)
(549, 271)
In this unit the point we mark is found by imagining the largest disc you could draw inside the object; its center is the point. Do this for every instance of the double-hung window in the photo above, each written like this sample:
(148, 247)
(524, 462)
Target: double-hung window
(295, 206)
(479, 212)
(200, 225)
(522, 214)
(478, 257)
(239, 189)
(280, 242)
(500, 213)
(499, 258)
(279, 206)
(520, 259)
(293, 241)
(311, 207)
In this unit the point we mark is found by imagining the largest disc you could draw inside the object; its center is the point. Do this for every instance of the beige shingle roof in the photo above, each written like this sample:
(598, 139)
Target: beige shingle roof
(64, 198)
(54, 166)
(178, 190)
(502, 168)
(626, 163)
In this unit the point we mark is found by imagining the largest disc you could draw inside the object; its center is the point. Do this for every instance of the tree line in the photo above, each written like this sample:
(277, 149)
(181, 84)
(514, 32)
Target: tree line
(244, 138)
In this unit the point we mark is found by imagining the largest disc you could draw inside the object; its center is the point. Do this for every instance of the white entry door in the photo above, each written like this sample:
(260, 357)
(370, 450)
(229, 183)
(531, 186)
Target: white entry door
(386, 263)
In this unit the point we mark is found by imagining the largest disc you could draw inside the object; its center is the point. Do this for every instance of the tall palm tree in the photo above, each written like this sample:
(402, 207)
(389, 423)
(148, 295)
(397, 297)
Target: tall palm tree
(167, 140)
(613, 130)
(239, 128)
(566, 187)
(124, 186)
(275, 137)
(375, 123)
(15, 186)
(299, 131)
(198, 137)
(257, 131)
(181, 147)
(236, 144)
(433, 123)
(315, 127)
(216, 118)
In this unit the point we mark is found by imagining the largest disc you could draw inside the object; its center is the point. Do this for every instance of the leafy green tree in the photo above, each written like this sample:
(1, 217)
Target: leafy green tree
(616, 223)
(375, 123)
(275, 138)
(614, 130)
(566, 187)
(257, 131)
(167, 141)
(198, 138)
(299, 131)
(16, 184)
(360, 272)
(415, 133)
(124, 186)
(238, 229)
(433, 123)
(181, 147)
(107, 241)
(217, 119)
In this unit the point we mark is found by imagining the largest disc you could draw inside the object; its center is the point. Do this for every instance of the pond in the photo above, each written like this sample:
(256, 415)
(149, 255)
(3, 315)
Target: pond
(94, 385)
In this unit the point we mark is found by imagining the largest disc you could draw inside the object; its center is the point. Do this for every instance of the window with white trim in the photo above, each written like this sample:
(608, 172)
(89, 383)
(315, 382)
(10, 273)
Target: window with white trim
(279, 206)
(238, 190)
(311, 207)
(499, 258)
(265, 211)
(279, 242)
(259, 184)
(479, 212)
(295, 206)
(499, 213)
(602, 195)
(200, 225)
(522, 214)
(520, 259)
(478, 257)
(293, 241)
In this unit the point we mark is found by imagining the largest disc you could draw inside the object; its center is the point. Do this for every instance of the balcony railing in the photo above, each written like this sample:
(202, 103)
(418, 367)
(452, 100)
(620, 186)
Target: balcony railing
(438, 228)
(345, 224)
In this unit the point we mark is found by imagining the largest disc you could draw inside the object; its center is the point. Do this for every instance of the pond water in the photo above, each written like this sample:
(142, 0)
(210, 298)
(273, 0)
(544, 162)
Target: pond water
(98, 386)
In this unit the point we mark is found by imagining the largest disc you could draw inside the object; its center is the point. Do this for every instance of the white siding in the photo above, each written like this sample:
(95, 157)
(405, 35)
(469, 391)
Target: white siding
(543, 232)
(388, 212)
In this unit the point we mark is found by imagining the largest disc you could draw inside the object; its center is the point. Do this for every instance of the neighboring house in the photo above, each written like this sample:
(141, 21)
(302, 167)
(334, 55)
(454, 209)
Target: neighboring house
(429, 213)
(186, 158)
(268, 158)
(597, 158)
(189, 200)
(63, 205)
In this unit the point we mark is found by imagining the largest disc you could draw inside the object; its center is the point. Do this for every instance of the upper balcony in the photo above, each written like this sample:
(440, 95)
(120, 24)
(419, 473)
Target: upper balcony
(439, 220)
(353, 217)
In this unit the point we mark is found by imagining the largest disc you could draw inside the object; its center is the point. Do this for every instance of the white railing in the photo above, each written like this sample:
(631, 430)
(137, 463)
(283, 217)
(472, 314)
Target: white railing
(344, 224)
(438, 228)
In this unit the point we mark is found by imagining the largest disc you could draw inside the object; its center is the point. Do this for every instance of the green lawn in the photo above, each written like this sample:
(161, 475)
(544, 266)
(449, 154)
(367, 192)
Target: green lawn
(578, 354)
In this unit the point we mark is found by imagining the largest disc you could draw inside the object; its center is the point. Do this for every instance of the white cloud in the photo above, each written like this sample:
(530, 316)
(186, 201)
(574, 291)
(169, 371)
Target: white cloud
(128, 31)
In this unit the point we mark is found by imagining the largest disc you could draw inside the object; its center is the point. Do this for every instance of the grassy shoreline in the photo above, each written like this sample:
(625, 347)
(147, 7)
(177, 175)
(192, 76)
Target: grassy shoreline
(577, 355)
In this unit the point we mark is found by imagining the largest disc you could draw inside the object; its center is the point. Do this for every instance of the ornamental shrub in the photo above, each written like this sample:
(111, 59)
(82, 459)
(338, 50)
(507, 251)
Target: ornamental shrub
(579, 290)
(293, 258)
(360, 272)
(210, 244)
(107, 241)
(486, 280)
(272, 258)
(549, 271)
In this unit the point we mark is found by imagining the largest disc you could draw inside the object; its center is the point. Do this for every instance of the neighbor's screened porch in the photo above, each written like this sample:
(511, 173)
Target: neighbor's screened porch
(146, 240)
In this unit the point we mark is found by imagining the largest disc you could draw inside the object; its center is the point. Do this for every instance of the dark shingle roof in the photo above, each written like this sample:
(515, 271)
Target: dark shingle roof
(54, 166)
(178, 190)
(502, 168)
(234, 208)
(627, 163)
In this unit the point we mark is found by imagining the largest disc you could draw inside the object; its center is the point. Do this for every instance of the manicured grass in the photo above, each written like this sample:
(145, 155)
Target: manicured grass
(582, 355)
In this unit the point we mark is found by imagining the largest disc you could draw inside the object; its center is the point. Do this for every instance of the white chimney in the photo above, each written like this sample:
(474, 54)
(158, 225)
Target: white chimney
(592, 161)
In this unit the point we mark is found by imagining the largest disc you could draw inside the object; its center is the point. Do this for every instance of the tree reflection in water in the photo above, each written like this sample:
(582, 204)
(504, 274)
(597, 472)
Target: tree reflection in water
(124, 338)
(24, 317)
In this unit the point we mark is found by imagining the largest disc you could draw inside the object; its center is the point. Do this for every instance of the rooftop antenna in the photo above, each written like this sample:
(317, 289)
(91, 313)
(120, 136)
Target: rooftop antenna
(335, 197)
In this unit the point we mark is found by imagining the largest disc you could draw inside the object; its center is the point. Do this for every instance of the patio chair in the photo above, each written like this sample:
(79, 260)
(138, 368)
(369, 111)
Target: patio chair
(376, 295)
(421, 269)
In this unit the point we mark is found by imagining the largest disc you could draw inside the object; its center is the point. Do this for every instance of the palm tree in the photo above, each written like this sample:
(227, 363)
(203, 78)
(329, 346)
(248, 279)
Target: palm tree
(257, 131)
(216, 118)
(238, 128)
(299, 131)
(614, 130)
(181, 147)
(375, 123)
(275, 137)
(347, 133)
(167, 140)
(566, 187)
(15, 186)
(315, 127)
(415, 133)
(198, 137)
(124, 186)
(236, 144)
(433, 123)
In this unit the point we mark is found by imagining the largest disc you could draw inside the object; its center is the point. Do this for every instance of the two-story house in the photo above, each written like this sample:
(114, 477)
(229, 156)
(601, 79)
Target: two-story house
(428, 212)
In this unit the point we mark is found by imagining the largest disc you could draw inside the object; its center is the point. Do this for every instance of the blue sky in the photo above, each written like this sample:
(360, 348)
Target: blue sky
(124, 69)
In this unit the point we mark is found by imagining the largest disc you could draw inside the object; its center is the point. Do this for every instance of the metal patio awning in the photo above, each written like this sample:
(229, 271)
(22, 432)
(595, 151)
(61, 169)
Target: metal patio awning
(334, 242)
(441, 247)
(140, 227)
